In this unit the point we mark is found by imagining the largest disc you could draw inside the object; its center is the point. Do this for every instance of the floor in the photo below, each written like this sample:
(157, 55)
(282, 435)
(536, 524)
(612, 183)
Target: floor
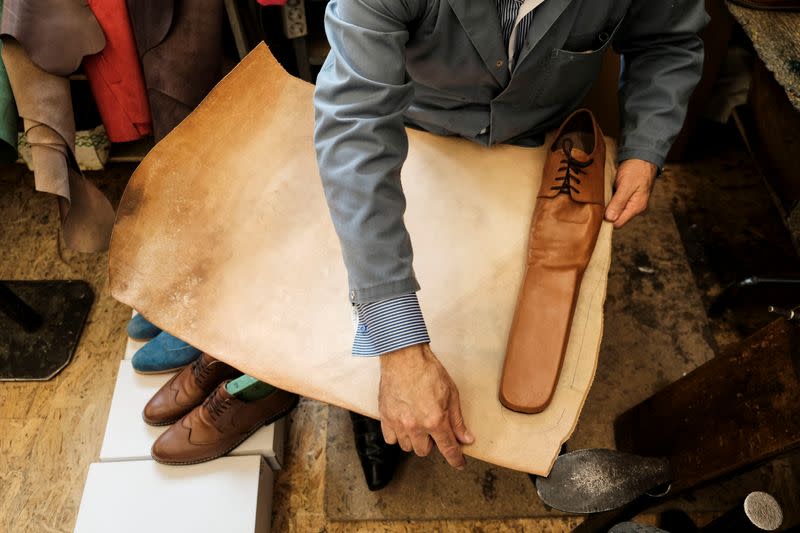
(51, 431)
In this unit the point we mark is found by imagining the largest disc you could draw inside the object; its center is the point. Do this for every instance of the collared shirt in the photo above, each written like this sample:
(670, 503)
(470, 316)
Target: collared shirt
(388, 325)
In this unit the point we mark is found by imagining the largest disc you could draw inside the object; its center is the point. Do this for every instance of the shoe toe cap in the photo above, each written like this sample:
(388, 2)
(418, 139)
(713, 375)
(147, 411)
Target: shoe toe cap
(140, 328)
(172, 447)
(161, 410)
(163, 354)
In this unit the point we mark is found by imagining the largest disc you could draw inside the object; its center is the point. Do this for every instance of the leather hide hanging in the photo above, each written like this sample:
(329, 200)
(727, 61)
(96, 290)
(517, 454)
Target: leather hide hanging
(223, 238)
(180, 46)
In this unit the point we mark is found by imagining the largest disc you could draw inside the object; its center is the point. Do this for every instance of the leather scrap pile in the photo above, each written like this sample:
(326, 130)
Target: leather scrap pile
(136, 60)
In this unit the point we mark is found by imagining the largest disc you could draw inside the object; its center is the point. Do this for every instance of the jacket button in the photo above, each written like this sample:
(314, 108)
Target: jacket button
(499, 63)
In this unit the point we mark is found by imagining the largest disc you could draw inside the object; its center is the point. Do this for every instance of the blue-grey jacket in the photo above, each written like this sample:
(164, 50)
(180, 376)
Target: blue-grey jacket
(441, 65)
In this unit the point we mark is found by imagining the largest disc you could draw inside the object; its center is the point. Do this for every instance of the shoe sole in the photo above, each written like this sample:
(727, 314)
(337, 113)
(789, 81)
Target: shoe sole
(159, 424)
(165, 371)
(277, 416)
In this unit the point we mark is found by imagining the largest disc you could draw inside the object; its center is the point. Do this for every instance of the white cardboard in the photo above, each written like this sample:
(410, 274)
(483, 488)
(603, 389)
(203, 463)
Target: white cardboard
(231, 494)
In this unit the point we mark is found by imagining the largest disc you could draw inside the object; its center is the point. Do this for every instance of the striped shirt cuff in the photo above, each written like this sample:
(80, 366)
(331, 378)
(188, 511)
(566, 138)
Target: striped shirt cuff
(389, 325)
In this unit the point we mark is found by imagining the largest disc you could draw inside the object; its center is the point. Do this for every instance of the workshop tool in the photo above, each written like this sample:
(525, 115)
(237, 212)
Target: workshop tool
(597, 480)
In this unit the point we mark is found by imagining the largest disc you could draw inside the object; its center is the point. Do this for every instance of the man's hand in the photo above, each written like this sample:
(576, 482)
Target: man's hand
(418, 402)
(634, 183)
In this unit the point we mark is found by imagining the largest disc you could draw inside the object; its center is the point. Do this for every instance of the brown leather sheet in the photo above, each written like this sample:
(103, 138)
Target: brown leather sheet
(223, 238)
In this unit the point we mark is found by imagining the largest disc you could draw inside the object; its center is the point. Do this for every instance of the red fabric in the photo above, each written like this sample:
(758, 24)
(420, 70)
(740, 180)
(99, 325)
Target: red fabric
(115, 75)
(272, 2)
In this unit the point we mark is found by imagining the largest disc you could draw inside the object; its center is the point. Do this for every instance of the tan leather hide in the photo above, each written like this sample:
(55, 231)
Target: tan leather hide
(223, 238)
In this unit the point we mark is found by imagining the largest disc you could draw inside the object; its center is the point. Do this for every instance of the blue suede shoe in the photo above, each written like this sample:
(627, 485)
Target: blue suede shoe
(140, 329)
(165, 353)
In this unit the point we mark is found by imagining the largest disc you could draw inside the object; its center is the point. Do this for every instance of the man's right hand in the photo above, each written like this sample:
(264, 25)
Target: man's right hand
(418, 402)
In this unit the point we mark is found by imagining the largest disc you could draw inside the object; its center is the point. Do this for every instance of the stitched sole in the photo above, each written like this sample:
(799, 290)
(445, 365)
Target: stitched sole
(159, 424)
(165, 371)
(280, 414)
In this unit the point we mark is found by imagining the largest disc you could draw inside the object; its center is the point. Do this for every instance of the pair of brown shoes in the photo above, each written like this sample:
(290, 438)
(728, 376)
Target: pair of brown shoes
(207, 421)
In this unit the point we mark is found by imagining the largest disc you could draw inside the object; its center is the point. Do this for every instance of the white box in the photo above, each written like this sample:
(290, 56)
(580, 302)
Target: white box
(231, 494)
(132, 347)
(128, 438)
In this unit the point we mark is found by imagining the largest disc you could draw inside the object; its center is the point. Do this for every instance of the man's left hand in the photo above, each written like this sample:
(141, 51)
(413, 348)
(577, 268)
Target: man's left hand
(633, 185)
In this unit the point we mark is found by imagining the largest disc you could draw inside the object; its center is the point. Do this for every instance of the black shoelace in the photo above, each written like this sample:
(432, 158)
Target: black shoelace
(571, 168)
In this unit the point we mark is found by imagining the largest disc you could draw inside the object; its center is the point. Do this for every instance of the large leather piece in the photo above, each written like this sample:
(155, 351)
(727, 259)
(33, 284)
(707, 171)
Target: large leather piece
(56, 34)
(562, 238)
(180, 46)
(45, 104)
(115, 75)
(223, 237)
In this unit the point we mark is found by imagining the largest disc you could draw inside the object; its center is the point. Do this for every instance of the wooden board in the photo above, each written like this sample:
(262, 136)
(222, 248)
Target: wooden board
(223, 238)
(733, 412)
(776, 38)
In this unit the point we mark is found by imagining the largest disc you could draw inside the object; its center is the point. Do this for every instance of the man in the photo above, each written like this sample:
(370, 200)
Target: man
(492, 71)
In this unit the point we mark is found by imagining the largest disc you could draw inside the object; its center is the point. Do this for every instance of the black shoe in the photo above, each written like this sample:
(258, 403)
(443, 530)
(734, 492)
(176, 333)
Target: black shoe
(378, 459)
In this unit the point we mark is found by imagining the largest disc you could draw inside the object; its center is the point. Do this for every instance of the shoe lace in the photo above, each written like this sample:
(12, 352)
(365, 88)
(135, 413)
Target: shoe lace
(571, 168)
(216, 405)
(199, 370)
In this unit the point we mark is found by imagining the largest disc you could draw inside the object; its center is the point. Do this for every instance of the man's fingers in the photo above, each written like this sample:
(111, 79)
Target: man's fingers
(618, 202)
(405, 443)
(636, 204)
(422, 444)
(449, 448)
(388, 434)
(457, 419)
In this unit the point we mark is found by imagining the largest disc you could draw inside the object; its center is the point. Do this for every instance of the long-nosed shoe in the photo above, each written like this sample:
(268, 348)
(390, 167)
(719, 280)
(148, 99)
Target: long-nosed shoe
(564, 229)
(165, 353)
(219, 425)
(186, 390)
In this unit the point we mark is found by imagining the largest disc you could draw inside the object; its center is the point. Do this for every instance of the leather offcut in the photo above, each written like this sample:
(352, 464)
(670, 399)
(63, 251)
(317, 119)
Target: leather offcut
(56, 34)
(45, 104)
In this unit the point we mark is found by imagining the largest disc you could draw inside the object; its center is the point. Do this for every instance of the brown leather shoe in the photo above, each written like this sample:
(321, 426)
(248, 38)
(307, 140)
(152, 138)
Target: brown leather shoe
(218, 426)
(566, 221)
(186, 390)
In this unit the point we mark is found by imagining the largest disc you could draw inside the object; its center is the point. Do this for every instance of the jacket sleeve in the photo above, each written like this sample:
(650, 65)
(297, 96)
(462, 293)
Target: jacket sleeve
(662, 60)
(360, 97)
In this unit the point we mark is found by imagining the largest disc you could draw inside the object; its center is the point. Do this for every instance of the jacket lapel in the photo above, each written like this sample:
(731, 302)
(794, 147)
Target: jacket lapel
(543, 19)
(482, 25)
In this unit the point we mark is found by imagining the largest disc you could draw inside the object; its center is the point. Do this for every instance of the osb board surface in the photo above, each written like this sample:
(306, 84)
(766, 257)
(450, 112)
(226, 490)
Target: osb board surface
(776, 38)
(51, 431)
(223, 238)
